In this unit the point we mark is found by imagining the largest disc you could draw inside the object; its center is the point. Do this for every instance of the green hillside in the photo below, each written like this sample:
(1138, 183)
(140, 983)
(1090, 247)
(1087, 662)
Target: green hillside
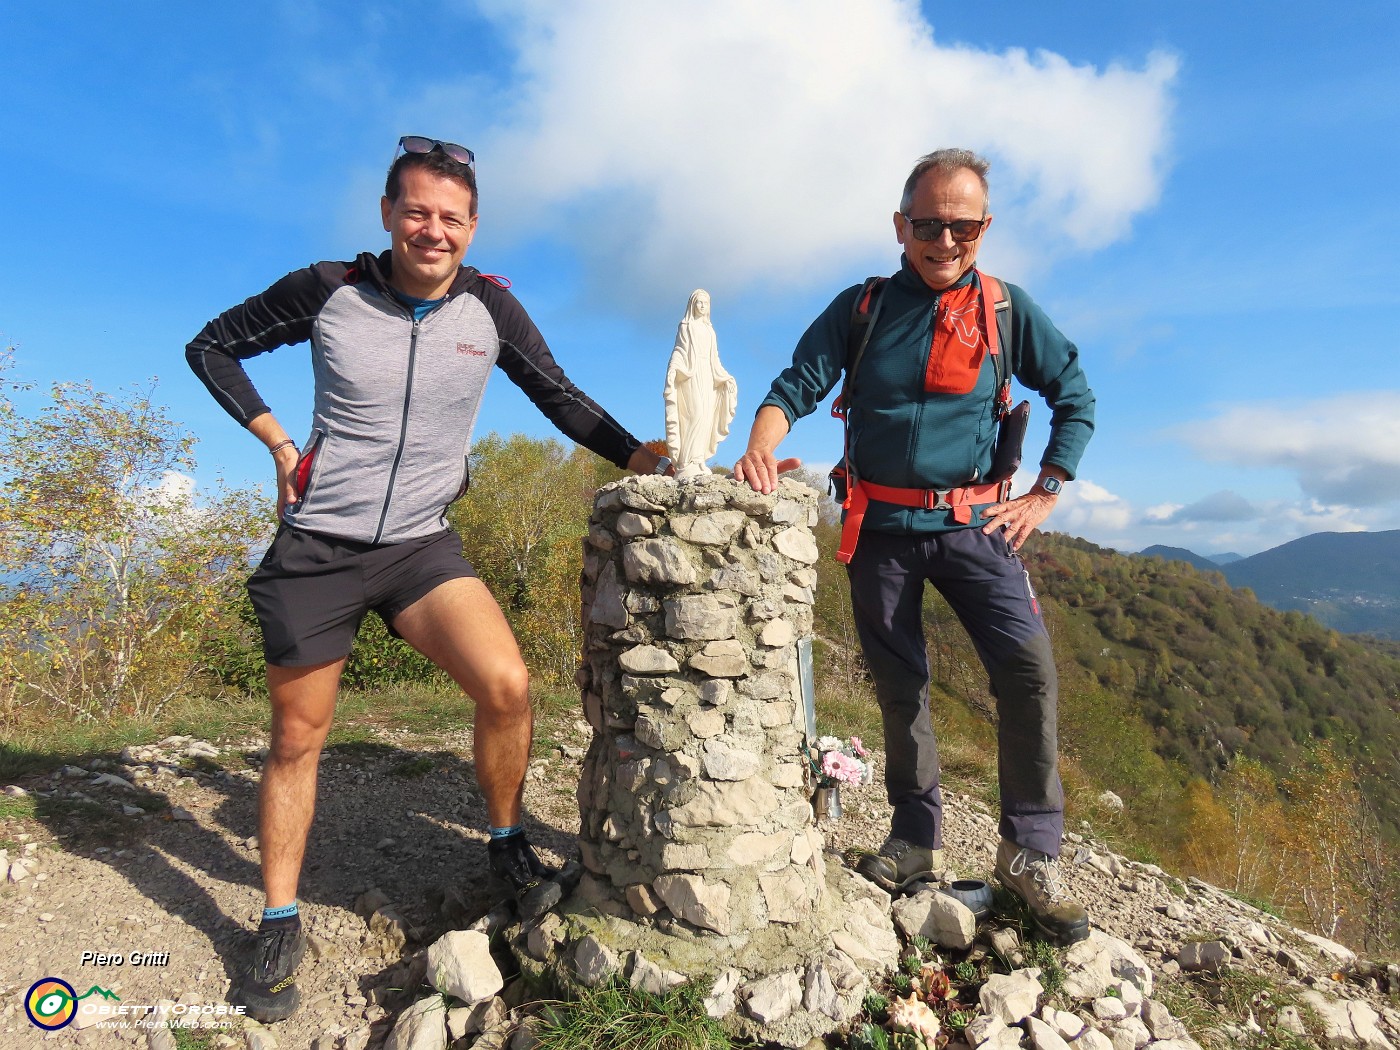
(1214, 672)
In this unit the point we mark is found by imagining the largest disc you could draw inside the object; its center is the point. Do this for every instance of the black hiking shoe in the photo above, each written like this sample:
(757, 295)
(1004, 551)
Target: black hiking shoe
(900, 864)
(266, 985)
(1035, 878)
(514, 861)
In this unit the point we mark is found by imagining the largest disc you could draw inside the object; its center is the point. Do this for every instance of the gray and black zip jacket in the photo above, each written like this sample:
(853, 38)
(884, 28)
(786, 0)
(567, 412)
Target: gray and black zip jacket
(396, 399)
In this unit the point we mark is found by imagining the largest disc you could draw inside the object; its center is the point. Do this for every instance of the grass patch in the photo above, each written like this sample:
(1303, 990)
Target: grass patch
(414, 767)
(16, 808)
(617, 1016)
(1204, 1002)
(192, 1039)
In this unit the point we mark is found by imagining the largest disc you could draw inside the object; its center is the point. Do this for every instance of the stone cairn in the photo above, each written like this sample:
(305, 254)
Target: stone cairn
(701, 857)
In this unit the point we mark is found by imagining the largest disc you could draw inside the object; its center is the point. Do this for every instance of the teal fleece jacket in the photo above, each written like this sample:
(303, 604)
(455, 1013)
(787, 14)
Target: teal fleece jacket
(902, 436)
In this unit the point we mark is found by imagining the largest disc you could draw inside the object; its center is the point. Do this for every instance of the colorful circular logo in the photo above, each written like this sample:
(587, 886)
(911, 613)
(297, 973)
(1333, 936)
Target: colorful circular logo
(51, 1003)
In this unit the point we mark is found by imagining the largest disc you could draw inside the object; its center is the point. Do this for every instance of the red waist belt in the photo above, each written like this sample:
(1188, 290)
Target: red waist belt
(959, 501)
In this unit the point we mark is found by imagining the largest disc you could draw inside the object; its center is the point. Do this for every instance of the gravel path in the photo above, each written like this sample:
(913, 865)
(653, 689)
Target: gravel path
(400, 815)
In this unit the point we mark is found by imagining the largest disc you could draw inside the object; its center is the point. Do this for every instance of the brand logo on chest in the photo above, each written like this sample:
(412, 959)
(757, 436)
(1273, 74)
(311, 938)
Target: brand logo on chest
(470, 350)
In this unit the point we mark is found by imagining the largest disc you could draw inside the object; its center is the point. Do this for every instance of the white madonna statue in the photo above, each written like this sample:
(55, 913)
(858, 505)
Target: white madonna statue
(700, 395)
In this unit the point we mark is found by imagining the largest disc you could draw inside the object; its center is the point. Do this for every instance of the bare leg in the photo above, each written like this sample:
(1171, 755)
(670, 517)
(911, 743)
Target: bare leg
(303, 701)
(459, 627)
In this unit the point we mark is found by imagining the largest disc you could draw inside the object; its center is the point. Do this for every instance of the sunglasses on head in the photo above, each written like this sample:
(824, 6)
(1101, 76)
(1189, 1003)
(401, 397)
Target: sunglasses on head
(932, 229)
(422, 144)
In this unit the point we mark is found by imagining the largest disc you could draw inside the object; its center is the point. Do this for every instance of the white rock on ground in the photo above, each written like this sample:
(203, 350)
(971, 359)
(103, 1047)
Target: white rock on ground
(423, 1026)
(1011, 998)
(460, 965)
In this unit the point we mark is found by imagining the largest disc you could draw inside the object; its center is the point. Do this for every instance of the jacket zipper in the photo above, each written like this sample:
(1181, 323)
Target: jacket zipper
(403, 432)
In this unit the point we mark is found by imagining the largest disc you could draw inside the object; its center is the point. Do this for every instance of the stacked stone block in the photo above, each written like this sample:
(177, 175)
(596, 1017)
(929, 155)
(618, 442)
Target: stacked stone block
(695, 797)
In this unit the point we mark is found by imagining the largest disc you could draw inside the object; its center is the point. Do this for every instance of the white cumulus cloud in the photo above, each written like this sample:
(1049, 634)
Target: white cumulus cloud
(728, 143)
(1343, 449)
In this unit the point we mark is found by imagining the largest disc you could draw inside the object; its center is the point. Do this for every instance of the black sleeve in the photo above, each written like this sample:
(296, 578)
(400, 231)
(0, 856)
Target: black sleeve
(526, 359)
(280, 316)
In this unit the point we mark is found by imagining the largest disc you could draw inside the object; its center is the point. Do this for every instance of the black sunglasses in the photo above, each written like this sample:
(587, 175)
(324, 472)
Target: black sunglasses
(932, 229)
(422, 144)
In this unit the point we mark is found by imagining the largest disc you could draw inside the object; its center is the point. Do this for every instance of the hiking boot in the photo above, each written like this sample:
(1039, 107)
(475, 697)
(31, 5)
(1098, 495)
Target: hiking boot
(900, 863)
(267, 986)
(514, 861)
(1035, 878)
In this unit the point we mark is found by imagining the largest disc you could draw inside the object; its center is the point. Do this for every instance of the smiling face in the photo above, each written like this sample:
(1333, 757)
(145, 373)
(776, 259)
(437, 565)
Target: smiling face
(429, 227)
(944, 196)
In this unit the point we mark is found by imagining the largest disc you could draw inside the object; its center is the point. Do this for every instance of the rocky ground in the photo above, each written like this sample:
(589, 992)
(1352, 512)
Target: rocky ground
(153, 859)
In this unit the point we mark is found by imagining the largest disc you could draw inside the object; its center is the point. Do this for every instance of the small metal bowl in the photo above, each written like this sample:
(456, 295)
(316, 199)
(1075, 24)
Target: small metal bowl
(974, 893)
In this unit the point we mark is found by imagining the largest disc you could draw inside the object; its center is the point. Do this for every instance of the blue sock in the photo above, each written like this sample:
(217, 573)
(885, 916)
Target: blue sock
(504, 833)
(286, 913)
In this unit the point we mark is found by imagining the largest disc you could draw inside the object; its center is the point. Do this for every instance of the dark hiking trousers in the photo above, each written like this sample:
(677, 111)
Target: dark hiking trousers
(987, 587)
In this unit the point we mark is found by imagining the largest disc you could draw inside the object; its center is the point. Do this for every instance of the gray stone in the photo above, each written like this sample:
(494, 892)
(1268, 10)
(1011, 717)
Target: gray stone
(705, 723)
(657, 563)
(648, 659)
(786, 896)
(543, 936)
(699, 617)
(1093, 964)
(720, 1003)
(652, 978)
(423, 1026)
(658, 731)
(261, 1039)
(1210, 956)
(630, 525)
(1289, 1018)
(767, 686)
(775, 634)
(594, 962)
(699, 903)
(724, 761)
(1128, 1034)
(1093, 1039)
(1066, 1025)
(1010, 997)
(717, 691)
(642, 900)
(460, 964)
(608, 608)
(982, 1029)
(1109, 1009)
(721, 659)
(938, 917)
(714, 529)
(797, 544)
(773, 998)
(1160, 1021)
(1043, 1037)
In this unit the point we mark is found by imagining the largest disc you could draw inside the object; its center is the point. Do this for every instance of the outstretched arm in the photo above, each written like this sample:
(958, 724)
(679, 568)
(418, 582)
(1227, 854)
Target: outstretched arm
(758, 466)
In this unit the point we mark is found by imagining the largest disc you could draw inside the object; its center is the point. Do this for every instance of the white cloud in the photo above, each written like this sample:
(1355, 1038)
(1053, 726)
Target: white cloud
(1343, 449)
(728, 143)
(1088, 510)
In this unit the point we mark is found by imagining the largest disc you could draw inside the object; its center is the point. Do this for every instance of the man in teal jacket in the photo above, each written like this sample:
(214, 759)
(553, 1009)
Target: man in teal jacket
(923, 413)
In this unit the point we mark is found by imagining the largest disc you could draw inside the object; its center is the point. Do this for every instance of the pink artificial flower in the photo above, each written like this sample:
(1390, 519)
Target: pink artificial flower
(858, 747)
(842, 768)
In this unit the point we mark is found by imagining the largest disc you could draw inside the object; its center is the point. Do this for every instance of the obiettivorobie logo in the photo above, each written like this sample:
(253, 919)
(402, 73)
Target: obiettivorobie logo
(51, 1003)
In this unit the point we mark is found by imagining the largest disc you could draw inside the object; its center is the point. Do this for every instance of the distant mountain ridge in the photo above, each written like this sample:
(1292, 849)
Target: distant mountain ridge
(1349, 581)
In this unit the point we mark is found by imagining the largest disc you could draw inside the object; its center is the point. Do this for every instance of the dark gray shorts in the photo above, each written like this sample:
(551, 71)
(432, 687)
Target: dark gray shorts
(311, 591)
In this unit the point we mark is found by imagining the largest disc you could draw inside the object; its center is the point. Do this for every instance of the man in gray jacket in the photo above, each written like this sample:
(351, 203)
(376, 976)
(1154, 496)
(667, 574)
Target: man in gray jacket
(402, 345)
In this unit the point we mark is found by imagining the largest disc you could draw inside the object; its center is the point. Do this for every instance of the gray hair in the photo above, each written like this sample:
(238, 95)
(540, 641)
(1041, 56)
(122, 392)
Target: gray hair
(946, 162)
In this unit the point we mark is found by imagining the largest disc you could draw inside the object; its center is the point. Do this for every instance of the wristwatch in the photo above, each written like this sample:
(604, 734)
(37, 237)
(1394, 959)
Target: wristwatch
(663, 464)
(1051, 485)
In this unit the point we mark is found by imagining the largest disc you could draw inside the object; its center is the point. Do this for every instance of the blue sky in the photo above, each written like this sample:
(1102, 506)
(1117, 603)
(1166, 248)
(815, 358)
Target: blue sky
(1202, 196)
